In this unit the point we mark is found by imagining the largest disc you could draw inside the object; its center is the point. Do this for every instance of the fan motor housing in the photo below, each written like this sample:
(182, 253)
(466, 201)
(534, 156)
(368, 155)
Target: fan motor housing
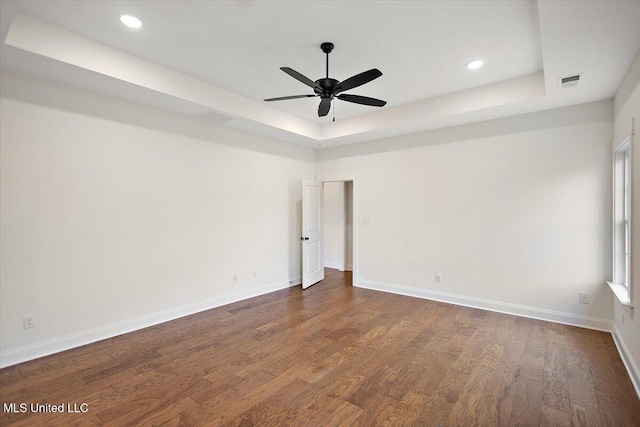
(325, 85)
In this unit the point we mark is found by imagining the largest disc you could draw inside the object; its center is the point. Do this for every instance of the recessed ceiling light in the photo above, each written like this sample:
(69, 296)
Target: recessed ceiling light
(131, 21)
(475, 64)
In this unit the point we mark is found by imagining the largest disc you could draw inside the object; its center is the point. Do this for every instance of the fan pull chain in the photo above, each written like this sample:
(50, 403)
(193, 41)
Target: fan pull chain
(334, 112)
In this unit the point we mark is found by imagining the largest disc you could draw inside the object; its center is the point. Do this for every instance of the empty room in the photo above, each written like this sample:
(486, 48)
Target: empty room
(319, 213)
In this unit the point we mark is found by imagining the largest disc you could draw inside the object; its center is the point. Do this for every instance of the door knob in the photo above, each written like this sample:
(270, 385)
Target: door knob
(304, 238)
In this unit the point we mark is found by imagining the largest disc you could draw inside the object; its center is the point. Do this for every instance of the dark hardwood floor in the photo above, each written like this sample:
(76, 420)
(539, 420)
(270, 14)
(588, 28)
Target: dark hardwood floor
(334, 355)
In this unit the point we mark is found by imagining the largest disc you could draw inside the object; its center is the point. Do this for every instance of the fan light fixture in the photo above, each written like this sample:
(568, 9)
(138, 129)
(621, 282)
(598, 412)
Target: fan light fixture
(475, 64)
(131, 21)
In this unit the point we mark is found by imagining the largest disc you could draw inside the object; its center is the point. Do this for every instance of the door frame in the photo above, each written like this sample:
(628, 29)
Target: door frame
(355, 225)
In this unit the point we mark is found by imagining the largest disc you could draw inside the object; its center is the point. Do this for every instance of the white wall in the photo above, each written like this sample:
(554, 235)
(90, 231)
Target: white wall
(348, 195)
(515, 212)
(626, 107)
(338, 225)
(334, 225)
(115, 216)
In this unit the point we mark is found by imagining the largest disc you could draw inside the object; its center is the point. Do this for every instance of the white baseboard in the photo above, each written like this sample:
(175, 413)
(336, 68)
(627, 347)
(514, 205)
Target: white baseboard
(337, 266)
(56, 345)
(295, 281)
(334, 265)
(498, 306)
(625, 355)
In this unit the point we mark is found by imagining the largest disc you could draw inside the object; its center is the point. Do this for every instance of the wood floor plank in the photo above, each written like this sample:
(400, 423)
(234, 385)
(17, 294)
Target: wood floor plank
(614, 414)
(369, 388)
(435, 412)
(436, 345)
(330, 412)
(143, 405)
(334, 355)
(129, 360)
(171, 413)
(48, 420)
(269, 408)
(555, 391)
(584, 409)
(404, 380)
(278, 416)
(474, 351)
(532, 363)
(408, 411)
(452, 385)
(478, 401)
(422, 338)
(332, 385)
(550, 417)
(522, 403)
(610, 348)
(233, 402)
(376, 408)
(433, 374)
(10, 375)
(373, 338)
(499, 326)
(515, 343)
(612, 387)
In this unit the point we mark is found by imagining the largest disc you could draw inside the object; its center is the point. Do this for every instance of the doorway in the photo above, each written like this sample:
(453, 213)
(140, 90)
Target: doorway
(338, 225)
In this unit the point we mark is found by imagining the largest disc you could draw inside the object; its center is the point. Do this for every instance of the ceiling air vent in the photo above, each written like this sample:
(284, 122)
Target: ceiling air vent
(214, 117)
(569, 81)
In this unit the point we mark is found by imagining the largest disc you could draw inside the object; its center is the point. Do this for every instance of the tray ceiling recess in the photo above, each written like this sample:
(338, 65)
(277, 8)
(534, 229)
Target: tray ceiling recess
(219, 61)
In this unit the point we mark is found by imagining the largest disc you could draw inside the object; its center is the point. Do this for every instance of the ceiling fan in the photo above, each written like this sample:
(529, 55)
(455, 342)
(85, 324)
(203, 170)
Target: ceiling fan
(328, 89)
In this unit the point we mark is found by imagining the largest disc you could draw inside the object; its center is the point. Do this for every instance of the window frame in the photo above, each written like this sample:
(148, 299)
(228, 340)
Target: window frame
(621, 221)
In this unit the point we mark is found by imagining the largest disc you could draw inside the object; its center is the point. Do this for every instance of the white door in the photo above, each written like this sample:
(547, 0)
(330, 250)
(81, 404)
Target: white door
(312, 217)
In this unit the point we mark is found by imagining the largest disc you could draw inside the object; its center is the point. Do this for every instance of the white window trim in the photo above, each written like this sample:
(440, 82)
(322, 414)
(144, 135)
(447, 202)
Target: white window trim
(621, 286)
(622, 293)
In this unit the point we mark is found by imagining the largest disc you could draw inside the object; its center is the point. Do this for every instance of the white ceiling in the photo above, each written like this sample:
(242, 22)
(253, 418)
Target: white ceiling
(224, 56)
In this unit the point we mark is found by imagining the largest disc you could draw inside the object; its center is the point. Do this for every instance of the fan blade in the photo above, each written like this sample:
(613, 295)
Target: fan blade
(284, 98)
(296, 75)
(364, 100)
(324, 107)
(357, 80)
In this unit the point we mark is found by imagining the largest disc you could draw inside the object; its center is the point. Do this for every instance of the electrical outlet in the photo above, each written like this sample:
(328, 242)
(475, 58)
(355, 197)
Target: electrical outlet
(438, 278)
(583, 298)
(235, 278)
(255, 276)
(28, 322)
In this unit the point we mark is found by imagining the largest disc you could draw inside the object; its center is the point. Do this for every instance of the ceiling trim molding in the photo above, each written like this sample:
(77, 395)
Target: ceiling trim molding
(38, 37)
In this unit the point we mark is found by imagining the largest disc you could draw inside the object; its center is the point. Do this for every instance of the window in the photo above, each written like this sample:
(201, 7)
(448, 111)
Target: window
(621, 284)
